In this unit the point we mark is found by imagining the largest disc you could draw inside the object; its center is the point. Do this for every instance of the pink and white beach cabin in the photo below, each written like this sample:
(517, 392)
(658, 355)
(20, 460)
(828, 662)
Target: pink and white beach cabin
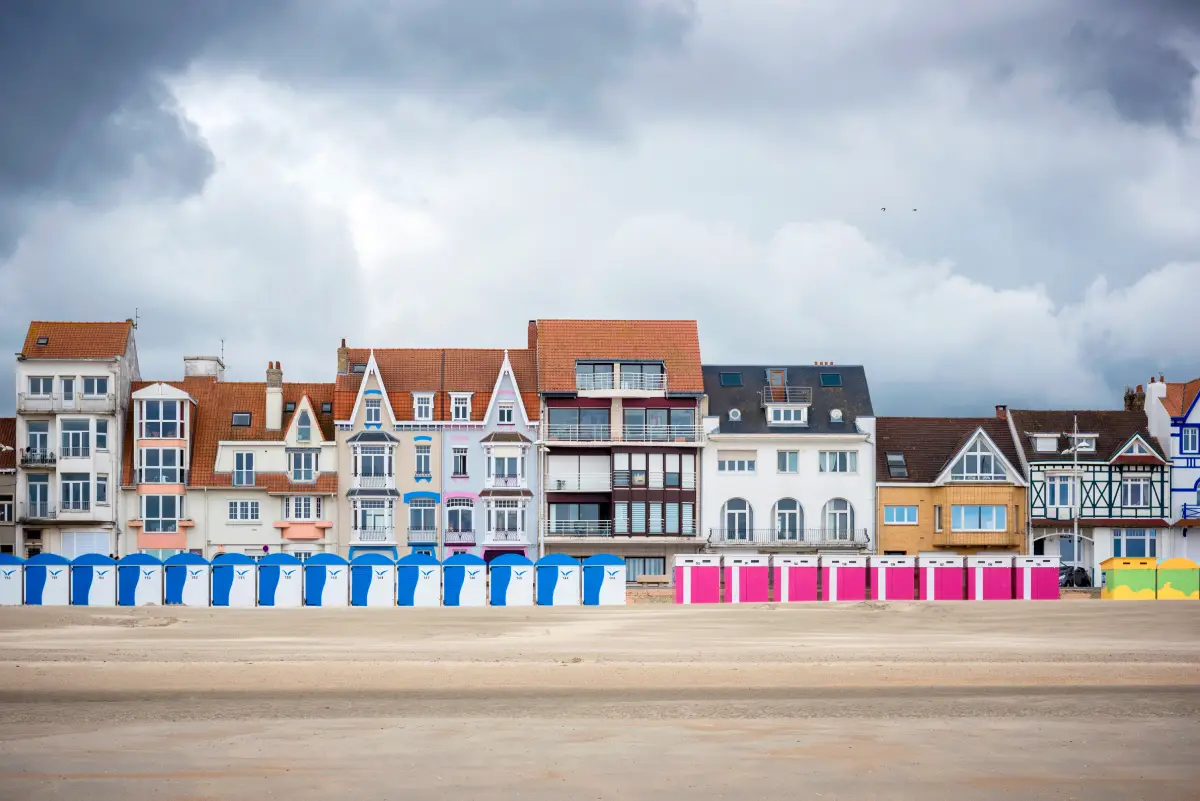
(893, 578)
(697, 579)
(989, 578)
(843, 578)
(1036, 578)
(746, 579)
(795, 577)
(941, 577)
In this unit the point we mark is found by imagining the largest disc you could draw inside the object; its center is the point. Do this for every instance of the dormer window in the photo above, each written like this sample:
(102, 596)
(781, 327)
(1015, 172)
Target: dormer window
(162, 419)
(43, 340)
(730, 379)
(304, 427)
(423, 406)
(326, 408)
(897, 467)
(787, 416)
(460, 408)
(1045, 443)
(289, 407)
(1086, 443)
(361, 367)
(978, 463)
(241, 419)
(1136, 448)
(831, 379)
(642, 376)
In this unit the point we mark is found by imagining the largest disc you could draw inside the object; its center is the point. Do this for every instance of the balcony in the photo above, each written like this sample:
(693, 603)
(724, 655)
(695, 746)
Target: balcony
(504, 482)
(36, 511)
(505, 536)
(772, 395)
(612, 383)
(1191, 511)
(788, 538)
(634, 435)
(76, 452)
(460, 537)
(47, 404)
(641, 479)
(576, 433)
(38, 459)
(657, 434)
(579, 482)
(385, 535)
(374, 482)
(75, 507)
(982, 539)
(579, 528)
(421, 534)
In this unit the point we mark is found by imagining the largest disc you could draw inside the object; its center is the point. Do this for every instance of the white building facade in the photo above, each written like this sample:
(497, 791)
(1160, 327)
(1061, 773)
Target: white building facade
(1173, 416)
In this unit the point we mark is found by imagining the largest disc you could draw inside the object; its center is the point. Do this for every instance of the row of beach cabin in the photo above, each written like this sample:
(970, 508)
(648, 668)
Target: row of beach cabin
(281, 580)
(782, 578)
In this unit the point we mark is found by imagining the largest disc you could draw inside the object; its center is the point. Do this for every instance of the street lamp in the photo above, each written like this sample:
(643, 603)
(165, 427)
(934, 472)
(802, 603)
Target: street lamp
(543, 459)
(1076, 501)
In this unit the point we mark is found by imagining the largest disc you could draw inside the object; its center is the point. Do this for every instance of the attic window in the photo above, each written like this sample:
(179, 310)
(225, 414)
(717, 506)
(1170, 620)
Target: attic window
(289, 406)
(835, 415)
(1086, 443)
(326, 408)
(1135, 449)
(43, 340)
(896, 465)
(831, 379)
(359, 368)
(1045, 444)
(731, 379)
(241, 419)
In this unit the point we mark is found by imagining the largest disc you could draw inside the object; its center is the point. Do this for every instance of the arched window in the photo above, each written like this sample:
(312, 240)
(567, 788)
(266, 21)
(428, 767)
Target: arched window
(978, 463)
(839, 519)
(789, 519)
(739, 519)
(304, 427)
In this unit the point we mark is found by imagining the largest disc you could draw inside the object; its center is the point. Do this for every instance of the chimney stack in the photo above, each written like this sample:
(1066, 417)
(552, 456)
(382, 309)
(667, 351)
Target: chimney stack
(1001, 411)
(343, 366)
(274, 396)
(532, 335)
(1135, 399)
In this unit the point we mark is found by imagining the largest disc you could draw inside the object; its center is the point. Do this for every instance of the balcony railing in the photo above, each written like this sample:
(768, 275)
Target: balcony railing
(557, 432)
(37, 458)
(422, 534)
(385, 534)
(505, 482)
(688, 433)
(160, 475)
(793, 538)
(579, 528)
(76, 452)
(1191, 511)
(653, 479)
(36, 511)
(373, 482)
(978, 538)
(460, 536)
(39, 404)
(634, 382)
(76, 506)
(579, 482)
(772, 394)
(577, 433)
(243, 478)
(506, 535)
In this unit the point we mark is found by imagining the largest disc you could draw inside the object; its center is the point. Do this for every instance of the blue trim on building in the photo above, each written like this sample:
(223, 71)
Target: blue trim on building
(372, 392)
(422, 438)
(428, 495)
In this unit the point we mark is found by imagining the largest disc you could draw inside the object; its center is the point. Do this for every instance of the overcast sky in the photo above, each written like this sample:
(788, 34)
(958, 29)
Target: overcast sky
(281, 173)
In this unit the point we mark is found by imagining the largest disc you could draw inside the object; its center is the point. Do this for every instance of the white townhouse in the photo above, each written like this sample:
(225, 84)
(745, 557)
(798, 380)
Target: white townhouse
(73, 382)
(1173, 417)
(789, 464)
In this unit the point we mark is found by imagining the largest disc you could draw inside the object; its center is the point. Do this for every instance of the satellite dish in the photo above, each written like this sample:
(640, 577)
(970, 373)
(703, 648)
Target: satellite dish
(735, 414)
(835, 415)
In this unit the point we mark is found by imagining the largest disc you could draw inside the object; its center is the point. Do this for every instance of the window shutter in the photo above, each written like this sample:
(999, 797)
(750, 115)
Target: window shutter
(317, 507)
(621, 518)
(686, 513)
(672, 518)
(639, 518)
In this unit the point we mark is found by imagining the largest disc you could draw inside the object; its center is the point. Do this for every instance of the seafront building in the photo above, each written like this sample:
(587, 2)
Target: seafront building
(1173, 416)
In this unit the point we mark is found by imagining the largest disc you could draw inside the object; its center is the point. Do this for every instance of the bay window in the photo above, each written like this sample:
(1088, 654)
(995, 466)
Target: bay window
(161, 513)
(160, 466)
(302, 507)
(162, 419)
(422, 514)
(302, 466)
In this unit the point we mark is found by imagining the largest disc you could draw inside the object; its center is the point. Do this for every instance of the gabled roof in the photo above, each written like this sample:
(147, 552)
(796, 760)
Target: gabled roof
(1113, 429)
(8, 438)
(853, 397)
(216, 401)
(560, 343)
(65, 340)
(930, 443)
(1180, 397)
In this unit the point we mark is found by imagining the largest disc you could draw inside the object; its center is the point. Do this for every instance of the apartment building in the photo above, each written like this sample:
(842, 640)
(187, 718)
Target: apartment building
(8, 484)
(73, 382)
(949, 483)
(1173, 416)
(220, 467)
(789, 463)
(620, 438)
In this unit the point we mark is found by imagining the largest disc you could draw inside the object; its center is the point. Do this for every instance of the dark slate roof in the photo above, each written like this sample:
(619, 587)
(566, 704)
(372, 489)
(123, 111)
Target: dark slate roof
(372, 436)
(930, 443)
(505, 436)
(1113, 430)
(853, 398)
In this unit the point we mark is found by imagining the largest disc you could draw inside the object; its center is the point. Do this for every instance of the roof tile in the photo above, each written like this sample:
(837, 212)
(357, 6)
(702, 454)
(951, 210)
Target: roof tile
(66, 340)
(561, 342)
(1113, 429)
(8, 438)
(1180, 396)
(929, 443)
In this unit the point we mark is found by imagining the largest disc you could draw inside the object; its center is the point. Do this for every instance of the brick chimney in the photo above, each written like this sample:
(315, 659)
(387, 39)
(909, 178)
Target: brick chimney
(1135, 399)
(274, 396)
(1001, 411)
(343, 359)
(532, 334)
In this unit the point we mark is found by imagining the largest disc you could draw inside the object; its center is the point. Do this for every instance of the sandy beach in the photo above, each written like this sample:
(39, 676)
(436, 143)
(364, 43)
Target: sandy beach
(876, 700)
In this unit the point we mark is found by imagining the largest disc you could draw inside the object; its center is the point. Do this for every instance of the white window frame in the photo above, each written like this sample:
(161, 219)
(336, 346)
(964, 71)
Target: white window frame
(68, 388)
(374, 411)
(837, 462)
(1086, 443)
(981, 453)
(736, 465)
(1127, 491)
(1121, 538)
(101, 434)
(365, 453)
(6, 508)
(93, 381)
(789, 416)
(839, 522)
(102, 498)
(146, 426)
(1054, 498)
(787, 462)
(424, 456)
(455, 455)
(460, 407)
(144, 476)
(455, 507)
(302, 508)
(896, 515)
(1045, 444)
(506, 413)
(957, 524)
(1189, 439)
(304, 430)
(44, 386)
(506, 515)
(162, 524)
(428, 513)
(80, 446)
(244, 511)
(423, 406)
(243, 476)
(303, 466)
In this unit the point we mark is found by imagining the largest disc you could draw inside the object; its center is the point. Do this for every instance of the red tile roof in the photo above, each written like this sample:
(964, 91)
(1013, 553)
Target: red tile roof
(930, 443)
(441, 371)
(76, 340)
(216, 401)
(8, 438)
(675, 342)
(1180, 396)
(1113, 430)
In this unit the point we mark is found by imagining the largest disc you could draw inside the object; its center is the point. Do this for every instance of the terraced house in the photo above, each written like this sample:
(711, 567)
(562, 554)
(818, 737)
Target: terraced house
(1101, 468)
(1173, 415)
(949, 483)
(8, 484)
(73, 384)
(790, 460)
(621, 438)
(220, 467)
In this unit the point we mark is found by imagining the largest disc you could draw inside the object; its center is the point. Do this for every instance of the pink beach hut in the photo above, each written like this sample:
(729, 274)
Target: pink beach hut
(746, 579)
(795, 578)
(941, 577)
(893, 578)
(697, 579)
(843, 578)
(989, 578)
(1036, 578)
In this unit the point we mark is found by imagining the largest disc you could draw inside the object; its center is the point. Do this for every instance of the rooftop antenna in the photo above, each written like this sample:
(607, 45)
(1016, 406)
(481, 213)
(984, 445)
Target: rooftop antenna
(222, 351)
(136, 317)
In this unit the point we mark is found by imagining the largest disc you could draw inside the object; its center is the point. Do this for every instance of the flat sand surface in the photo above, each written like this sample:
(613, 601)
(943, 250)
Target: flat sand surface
(1092, 700)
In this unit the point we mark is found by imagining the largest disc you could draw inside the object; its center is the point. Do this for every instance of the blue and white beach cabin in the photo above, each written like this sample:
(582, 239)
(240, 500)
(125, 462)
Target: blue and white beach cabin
(47, 580)
(465, 580)
(139, 580)
(187, 580)
(603, 580)
(12, 580)
(280, 581)
(372, 580)
(326, 580)
(558, 580)
(511, 578)
(93, 580)
(419, 580)
(234, 579)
